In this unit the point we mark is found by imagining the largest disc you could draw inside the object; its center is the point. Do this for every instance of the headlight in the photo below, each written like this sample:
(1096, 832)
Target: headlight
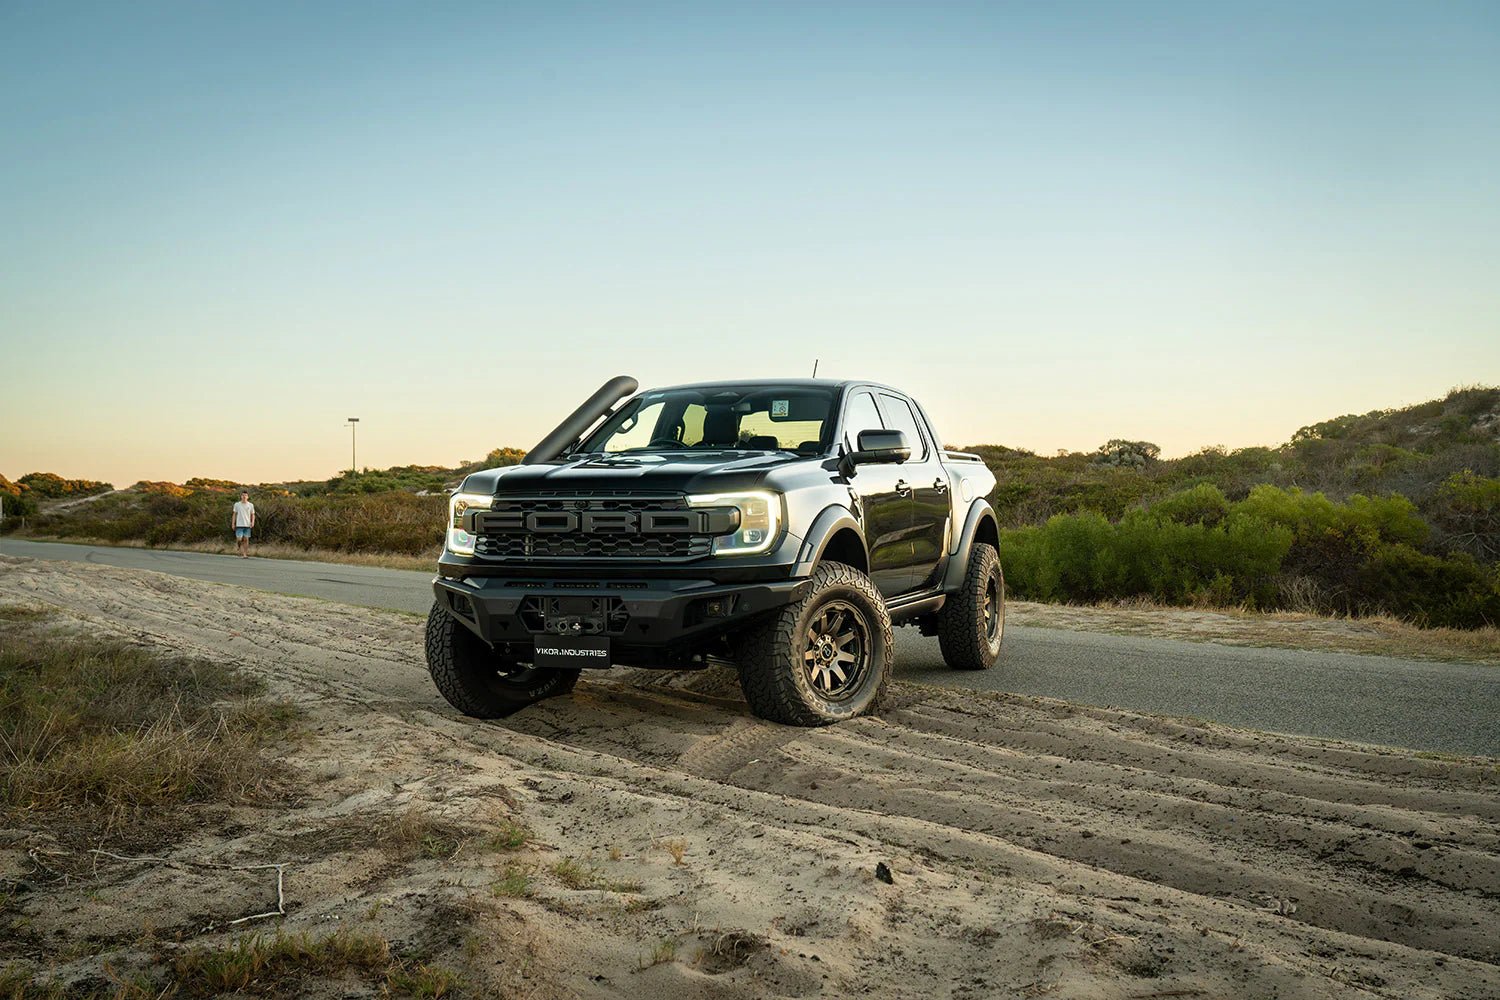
(460, 542)
(760, 521)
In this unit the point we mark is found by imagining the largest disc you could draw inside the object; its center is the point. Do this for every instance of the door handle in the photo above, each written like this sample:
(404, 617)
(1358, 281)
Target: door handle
(903, 489)
(940, 484)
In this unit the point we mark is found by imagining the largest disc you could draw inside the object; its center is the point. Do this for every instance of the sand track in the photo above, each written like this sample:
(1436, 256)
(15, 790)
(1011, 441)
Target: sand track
(1038, 847)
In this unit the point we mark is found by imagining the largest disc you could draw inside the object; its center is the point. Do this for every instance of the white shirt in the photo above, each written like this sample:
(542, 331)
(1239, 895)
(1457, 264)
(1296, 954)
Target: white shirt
(244, 511)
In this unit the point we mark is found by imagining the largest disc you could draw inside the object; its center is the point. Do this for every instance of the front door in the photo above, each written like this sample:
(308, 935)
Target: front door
(887, 508)
(926, 480)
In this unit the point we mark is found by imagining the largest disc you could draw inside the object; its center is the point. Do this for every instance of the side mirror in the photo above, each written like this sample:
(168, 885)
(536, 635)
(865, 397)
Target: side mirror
(881, 448)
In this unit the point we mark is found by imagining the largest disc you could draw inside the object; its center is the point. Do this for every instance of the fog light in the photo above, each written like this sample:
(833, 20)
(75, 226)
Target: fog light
(718, 607)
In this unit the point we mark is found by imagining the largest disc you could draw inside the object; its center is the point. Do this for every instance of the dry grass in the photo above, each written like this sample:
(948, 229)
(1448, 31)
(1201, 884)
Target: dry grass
(576, 875)
(256, 960)
(663, 952)
(258, 963)
(414, 834)
(103, 728)
(21, 613)
(1280, 629)
(259, 550)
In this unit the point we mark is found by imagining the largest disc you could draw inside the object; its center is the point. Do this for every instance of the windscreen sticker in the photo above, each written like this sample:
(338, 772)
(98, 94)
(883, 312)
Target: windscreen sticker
(781, 407)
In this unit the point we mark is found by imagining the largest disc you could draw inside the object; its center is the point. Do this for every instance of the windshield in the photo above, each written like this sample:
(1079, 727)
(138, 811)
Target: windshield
(720, 417)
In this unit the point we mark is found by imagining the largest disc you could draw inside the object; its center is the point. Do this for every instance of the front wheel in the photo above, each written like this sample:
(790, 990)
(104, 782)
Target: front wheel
(824, 658)
(972, 622)
(478, 681)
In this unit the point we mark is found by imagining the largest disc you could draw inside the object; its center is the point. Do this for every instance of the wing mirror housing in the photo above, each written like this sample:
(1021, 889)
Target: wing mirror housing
(878, 447)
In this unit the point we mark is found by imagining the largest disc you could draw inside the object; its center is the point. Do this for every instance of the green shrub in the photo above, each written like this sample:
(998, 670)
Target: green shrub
(1467, 509)
(1433, 591)
(1083, 557)
(1193, 546)
(1203, 504)
(50, 486)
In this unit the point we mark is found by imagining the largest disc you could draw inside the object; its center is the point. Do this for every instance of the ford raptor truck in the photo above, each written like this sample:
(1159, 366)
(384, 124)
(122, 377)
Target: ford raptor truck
(781, 527)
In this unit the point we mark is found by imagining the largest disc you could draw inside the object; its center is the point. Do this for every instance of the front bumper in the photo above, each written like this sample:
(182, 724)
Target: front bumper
(642, 616)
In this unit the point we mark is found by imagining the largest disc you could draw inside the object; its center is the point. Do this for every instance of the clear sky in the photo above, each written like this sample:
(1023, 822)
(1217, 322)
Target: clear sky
(226, 227)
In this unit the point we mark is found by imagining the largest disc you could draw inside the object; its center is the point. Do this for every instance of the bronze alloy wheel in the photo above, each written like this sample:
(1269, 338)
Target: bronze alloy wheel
(993, 619)
(824, 657)
(837, 652)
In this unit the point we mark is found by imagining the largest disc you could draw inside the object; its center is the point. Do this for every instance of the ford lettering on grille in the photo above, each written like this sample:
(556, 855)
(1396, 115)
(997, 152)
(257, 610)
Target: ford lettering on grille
(541, 528)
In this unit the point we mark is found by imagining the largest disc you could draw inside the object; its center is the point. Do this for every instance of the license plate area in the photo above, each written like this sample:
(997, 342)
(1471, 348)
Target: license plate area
(570, 652)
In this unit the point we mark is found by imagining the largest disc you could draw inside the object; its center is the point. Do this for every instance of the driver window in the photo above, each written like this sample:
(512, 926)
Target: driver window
(860, 415)
(898, 412)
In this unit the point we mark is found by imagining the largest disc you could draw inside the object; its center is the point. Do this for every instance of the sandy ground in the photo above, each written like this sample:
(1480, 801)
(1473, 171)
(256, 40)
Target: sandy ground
(1033, 848)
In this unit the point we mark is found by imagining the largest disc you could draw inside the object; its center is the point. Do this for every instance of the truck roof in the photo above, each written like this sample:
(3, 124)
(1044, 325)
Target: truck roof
(770, 383)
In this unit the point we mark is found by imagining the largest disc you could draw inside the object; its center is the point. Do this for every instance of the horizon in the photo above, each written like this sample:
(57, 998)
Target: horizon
(467, 460)
(230, 229)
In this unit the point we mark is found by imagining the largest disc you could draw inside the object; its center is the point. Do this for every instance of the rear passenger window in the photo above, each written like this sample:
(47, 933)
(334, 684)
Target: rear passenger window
(860, 415)
(898, 412)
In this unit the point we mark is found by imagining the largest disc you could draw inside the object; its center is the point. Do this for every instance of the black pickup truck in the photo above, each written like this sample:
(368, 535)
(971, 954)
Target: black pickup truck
(781, 527)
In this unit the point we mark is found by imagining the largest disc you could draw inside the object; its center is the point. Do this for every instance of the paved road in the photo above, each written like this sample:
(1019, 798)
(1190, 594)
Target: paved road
(1372, 699)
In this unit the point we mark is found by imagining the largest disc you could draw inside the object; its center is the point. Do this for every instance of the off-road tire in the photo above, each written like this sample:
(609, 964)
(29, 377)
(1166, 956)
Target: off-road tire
(964, 632)
(478, 681)
(772, 656)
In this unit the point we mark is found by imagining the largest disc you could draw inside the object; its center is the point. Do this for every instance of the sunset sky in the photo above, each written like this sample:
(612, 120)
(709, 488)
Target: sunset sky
(228, 227)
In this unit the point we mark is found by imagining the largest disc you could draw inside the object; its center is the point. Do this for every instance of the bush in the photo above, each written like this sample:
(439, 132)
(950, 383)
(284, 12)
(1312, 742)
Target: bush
(1128, 454)
(1454, 592)
(1276, 548)
(1203, 504)
(1467, 509)
(50, 486)
(1083, 557)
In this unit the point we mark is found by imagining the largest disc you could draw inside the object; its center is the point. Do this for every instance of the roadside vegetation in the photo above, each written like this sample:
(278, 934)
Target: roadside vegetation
(1394, 512)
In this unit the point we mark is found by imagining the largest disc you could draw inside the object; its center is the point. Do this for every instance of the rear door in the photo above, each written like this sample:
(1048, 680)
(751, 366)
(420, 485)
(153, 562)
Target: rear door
(926, 484)
(887, 512)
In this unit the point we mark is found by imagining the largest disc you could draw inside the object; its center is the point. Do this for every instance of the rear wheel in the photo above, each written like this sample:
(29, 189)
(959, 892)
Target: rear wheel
(972, 622)
(824, 658)
(480, 682)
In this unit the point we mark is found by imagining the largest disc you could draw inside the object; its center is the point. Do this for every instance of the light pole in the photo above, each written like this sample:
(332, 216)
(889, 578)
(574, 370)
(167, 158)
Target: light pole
(353, 445)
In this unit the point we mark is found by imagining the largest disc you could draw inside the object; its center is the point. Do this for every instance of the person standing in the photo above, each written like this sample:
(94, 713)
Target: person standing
(242, 520)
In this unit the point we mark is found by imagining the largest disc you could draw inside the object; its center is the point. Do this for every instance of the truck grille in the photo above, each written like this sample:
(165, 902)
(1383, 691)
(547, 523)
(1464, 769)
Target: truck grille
(563, 529)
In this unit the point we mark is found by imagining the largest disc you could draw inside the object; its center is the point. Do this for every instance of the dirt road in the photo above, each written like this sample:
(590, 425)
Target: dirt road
(961, 844)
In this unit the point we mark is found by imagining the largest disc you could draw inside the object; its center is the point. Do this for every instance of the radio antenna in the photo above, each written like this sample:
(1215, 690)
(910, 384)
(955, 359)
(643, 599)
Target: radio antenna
(815, 368)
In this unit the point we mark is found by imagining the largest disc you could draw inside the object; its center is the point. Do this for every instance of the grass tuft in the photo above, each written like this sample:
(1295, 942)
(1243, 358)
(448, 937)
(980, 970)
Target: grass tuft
(576, 875)
(414, 834)
(663, 952)
(514, 882)
(508, 836)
